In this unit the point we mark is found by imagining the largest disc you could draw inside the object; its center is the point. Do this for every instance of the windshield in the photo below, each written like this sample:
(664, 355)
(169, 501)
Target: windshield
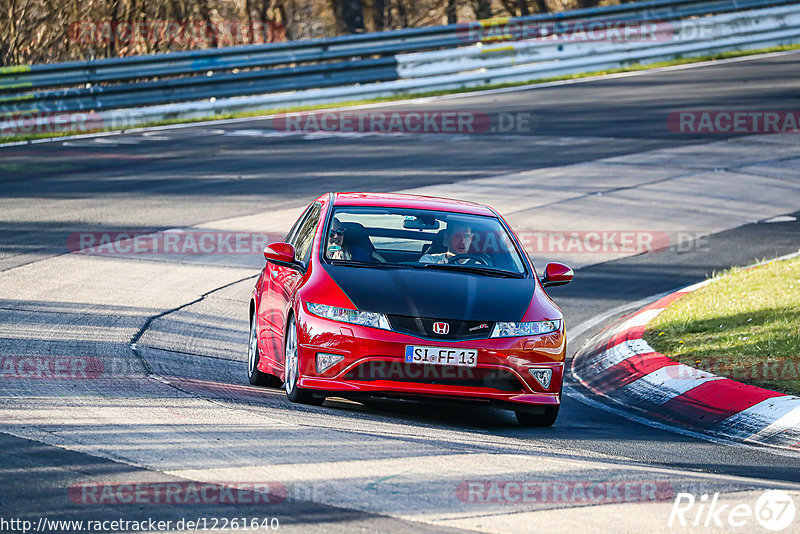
(420, 238)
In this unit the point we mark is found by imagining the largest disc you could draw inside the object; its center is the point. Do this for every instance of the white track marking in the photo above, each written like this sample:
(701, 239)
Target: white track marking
(619, 353)
(625, 412)
(666, 383)
(642, 318)
(783, 412)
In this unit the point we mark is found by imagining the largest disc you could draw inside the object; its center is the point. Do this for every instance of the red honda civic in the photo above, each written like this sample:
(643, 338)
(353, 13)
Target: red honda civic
(388, 295)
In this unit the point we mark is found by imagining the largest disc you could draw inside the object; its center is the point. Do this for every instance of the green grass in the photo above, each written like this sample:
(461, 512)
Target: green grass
(269, 111)
(744, 325)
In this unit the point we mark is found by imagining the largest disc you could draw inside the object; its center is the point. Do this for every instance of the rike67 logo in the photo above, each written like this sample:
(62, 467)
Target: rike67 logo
(774, 510)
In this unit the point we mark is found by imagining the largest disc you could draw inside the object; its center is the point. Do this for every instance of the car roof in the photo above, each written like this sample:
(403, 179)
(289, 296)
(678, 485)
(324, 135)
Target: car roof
(398, 200)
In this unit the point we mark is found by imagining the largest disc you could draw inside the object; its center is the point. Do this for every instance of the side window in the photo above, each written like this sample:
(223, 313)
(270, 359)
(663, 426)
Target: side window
(304, 237)
(291, 237)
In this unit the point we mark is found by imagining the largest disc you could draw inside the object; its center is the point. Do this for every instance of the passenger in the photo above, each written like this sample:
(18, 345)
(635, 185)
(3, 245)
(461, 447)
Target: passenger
(457, 238)
(336, 250)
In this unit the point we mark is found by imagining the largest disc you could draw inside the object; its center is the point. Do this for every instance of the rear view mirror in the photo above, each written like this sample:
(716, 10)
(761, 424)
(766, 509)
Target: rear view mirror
(279, 253)
(420, 223)
(556, 274)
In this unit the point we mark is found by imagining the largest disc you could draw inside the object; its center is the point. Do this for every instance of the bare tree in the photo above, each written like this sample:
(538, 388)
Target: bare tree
(36, 31)
(540, 6)
(451, 11)
(399, 14)
(205, 18)
(524, 7)
(482, 8)
(349, 15)
(376, 14)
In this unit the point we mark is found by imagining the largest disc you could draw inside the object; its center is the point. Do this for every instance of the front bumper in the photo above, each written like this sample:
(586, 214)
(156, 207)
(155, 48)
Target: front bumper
(374, 363)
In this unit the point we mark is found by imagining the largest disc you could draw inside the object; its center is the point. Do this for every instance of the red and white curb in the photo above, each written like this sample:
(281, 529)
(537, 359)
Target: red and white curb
(618, 364)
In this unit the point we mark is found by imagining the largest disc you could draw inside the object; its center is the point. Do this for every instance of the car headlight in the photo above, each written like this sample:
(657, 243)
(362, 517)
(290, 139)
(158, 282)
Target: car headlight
(525, 329)
(364, 318)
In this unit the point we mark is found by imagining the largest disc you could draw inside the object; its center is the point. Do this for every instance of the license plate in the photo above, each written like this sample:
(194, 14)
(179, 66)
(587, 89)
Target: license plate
(441, 355)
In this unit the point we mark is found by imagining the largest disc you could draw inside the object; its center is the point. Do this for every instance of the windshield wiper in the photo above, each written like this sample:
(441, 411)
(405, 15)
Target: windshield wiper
(367, 264)
(474, 270)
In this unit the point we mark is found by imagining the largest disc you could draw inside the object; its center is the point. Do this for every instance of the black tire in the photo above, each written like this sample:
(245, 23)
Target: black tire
(374, 404)
(292, 365)
(547, 418)
(256, 377)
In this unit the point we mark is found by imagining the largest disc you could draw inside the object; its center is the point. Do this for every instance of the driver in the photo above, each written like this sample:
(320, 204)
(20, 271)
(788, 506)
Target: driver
(457, 238)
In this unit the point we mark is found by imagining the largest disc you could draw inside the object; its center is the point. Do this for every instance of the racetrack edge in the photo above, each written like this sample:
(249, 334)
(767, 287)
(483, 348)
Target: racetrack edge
(620, 366)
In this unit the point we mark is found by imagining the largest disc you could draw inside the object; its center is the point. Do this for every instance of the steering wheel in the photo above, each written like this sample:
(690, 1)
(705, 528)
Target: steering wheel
(471, 259)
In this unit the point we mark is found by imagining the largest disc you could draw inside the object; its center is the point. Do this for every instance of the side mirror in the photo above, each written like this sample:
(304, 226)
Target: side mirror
(556, 274)
(279, 253)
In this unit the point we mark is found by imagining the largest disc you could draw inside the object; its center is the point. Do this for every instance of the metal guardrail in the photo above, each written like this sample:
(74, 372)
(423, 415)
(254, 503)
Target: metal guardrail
(528, 57)
(386, 63)
(101, 97)
(345, 47)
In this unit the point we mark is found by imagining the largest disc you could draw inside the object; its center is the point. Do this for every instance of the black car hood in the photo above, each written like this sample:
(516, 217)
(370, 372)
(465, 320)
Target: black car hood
(434, 294)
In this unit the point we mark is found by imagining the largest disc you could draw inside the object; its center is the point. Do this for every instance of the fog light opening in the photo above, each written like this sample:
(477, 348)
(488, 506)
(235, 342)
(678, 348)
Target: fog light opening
(543, 376)
(326, 361)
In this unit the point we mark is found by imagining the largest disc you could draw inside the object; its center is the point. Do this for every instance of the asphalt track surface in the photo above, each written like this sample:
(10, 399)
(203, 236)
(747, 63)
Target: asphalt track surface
(188, 176)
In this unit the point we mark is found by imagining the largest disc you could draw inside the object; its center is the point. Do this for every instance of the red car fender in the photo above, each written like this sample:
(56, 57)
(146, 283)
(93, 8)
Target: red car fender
(542, 307)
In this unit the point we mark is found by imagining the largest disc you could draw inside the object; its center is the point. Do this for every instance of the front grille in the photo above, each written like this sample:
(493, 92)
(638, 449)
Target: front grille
(457, 330)
(445, 375)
